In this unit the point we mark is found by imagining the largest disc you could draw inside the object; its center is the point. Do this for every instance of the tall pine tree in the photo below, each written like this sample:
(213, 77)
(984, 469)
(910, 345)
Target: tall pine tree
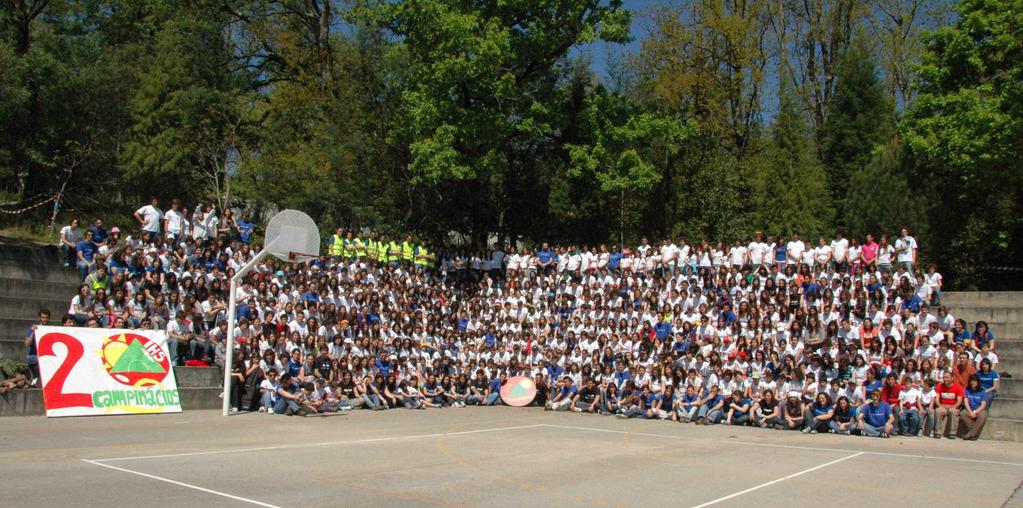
(859, 119)
(790, 184)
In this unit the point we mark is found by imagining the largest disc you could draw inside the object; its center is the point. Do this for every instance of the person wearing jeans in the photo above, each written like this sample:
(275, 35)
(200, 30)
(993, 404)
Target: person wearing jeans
(687, 405)
(911, 414)
(287, 400)
(876, 418)
(738, 409)
(711, 408)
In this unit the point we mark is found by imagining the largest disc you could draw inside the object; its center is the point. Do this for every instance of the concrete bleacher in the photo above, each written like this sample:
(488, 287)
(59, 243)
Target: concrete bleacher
(31, 278)
(1003, 312)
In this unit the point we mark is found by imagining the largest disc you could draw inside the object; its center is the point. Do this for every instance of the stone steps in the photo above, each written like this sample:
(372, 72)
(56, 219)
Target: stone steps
(1010, 388)
(968, 298)
(28, 288)
(1003, 429)
(1009, 348)
(47, 273)
(1006, 407)
(28, 308)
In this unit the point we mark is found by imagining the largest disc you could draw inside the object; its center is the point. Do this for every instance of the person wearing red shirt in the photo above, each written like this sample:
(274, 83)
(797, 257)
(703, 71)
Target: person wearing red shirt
(890, 394)
(950, 398)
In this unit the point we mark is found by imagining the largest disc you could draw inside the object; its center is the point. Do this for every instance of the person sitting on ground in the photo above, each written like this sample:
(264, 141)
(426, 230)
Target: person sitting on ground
(711, 407)
(976, 403)
(566, 392)
(876, 418)
(843, 420)
(949, 400)
(767, 410)
(794, 413)
(287, 400)
(819, 414)
(588, 399)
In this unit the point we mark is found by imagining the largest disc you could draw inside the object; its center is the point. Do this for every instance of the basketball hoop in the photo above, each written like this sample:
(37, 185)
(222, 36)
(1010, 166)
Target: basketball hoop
(291, 236)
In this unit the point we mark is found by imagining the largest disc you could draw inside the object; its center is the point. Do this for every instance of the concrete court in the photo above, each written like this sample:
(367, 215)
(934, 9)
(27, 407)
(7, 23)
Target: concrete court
(482, 457)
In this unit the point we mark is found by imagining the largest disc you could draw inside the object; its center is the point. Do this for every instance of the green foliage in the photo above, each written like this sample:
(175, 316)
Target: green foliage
(791, 192)
(859, 119)
(880, 198)
(966, 133)
(475, 119)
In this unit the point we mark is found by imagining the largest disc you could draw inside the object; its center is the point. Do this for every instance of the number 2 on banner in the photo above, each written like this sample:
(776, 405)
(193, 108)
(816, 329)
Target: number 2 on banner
(54, 389)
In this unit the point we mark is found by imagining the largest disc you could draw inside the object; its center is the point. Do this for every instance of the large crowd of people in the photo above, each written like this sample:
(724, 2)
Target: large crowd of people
(842, 335)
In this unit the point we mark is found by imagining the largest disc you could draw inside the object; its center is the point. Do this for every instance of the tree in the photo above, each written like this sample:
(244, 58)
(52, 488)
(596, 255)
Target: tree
(483, 89)
(791, 194)
(813, 35)
(965, 133)
(708, 62)
(620, 158)
(881, 199)
(859, 119)
(185, 98)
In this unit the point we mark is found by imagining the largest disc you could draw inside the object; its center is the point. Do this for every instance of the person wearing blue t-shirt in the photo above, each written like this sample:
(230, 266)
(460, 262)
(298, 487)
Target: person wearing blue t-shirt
(974, 414)
(876, 418)
(494, 390)
(545, 258)
(819, 414)
(564, 394)
(988, 378)
(688, 405)
(662, 330)
(738, 409)
(86, 251)
(245, 229)
(711, 407)
(615, 259)
(843, 419)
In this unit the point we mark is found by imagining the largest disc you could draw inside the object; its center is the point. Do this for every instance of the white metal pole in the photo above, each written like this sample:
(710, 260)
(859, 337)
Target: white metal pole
(231, 304)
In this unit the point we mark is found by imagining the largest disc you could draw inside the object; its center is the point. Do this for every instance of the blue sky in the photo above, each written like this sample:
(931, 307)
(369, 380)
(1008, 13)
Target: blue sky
(600, 53)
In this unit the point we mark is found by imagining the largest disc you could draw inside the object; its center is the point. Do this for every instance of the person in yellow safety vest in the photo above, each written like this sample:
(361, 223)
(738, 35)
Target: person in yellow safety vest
(422, 258)
(336, 243)
(371, 245)
(382, 250)
(393, 252)
(408, 250)
(349, 248)
(360, 248)
(98, 279)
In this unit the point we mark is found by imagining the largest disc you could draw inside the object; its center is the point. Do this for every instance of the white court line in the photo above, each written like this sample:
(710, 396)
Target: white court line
(314, 445)
(779, 480)
(182, 484)
(791, 447)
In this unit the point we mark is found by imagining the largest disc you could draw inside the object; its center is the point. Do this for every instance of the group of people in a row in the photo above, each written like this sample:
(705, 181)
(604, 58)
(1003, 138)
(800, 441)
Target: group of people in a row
(646, 324)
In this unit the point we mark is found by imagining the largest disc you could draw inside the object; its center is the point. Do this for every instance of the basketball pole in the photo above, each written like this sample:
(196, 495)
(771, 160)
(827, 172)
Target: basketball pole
(231, 309)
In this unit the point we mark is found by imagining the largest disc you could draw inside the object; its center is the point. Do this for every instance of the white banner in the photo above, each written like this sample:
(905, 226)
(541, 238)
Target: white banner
(105, 371)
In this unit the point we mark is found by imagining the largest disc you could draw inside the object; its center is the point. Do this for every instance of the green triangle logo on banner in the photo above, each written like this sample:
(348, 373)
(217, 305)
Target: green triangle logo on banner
(135, 359)
(518, 391)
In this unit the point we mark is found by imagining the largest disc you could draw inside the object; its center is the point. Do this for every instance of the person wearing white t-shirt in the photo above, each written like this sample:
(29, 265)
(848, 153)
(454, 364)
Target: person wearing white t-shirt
(794, 249)
(822, 254)
(150, 219)
(174, 221)
(884, 255)
(906, 247)
(839, 253)
(70, 235)
(756, 249)
(737, 255)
